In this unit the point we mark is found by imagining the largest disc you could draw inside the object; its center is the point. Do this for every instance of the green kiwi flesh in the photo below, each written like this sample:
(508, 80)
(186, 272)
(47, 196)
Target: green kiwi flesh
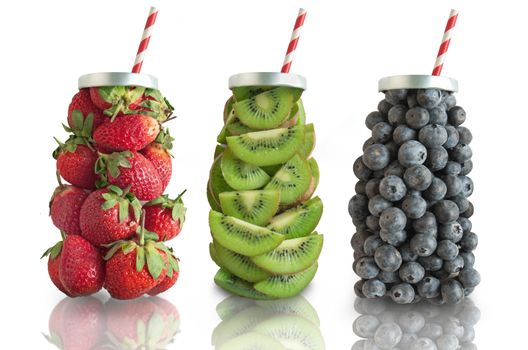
(242, 237)
(285, 286)
(228, 107)
(309, 141)
(217, 184)
(299, 221)
(269, 147)
(239, 265)
(241, 175)
(238, 286)
(266, 110)
(314, 167)
(292, 180)
(292, 255)
(256, 207)
(242, 93)
(236, 127)
(214, 255)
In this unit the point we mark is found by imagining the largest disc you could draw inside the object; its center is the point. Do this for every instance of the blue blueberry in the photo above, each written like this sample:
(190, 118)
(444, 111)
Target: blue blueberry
(372, 187)
(453, 184)
(392, 188)
(417, 117)
(423, 244)
(428, 98)
(467, 186)
(393, 238)
(464, 135)
(452, 168)
(412, 272)
(396, 114)
(377, 205)
(395, 96)
(403, 133)
(432, 135)
(461, 153)
(429, 287)
(376, 157)
(469, 241)
(407, 253)
(402, 293)
(461, 201)
(358, 206)
(388, 258)
(384, 107)
(374, 118)
(466, 224)
(389, 277)
(361, 171)
(454, 266)
(431, 263)
(411, 99)
(358, 288)
(366, 268)
(436, 191)
(456, 116)
(369, 142)
(414, 206)
(372, 243)
(373, 288)
(466, 167)
(451, 231)
(426, 224)
(469, 258)
(452, 137)
(358, 239)
(412, 153)
(447, 250)
(438, 115)
(452, 293)
(393, 219)
(437, 158)
(360, 187)
(449, 100)
(446, 211)
(393, 148)
(372, 223)
(469, 212)
(382, 132)
(394, 168)
(418, 177)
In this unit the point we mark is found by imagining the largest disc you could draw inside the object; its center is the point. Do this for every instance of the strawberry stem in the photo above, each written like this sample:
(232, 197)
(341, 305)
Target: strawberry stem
(169, 119)
(126, 190)
(180, 195)
(61, 185)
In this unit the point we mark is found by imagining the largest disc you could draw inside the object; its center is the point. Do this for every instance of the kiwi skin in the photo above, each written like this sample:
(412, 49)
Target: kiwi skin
(238, 286)
(239, 265)
(285, 286)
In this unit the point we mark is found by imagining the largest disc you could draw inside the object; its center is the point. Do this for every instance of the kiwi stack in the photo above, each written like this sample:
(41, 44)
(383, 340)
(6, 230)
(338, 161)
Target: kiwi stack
(270, 324)
(260, 190)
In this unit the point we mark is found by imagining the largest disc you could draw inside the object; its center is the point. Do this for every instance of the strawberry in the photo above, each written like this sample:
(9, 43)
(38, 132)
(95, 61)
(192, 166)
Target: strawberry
(109, 214)
(167, 282)
(160, 157)
(54, 260)
(82, 103)
(81, 269)
(165, 216)
(130, 168)
(117, 99)
(65, 208)
(127, 132)
(157, 106)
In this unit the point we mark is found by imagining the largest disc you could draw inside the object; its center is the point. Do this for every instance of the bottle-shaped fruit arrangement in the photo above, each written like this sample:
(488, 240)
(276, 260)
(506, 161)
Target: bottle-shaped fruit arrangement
(261, 185)
(414, 239)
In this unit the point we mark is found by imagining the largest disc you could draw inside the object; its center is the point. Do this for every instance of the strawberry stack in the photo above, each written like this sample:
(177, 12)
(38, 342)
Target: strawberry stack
(113, 215)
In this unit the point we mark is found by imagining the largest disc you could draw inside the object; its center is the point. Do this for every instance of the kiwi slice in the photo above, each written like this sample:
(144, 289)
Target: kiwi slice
(292, 180)
(285, 286)
(293, 332)
(241, 175)
(252, 341)
(244, 92)
(271, 170)
(238, 286)
(228, 107)
(292, 255)
(297, 306)
(299, 221)
(231, 306)
(219, 149)
(217, 184)
(314, 167)
(239, 265)
(242, 237)
(241, 323)
(221, 138)
(236, 127)
(301, 118)
(309, 141)
(214, 255)
(266, 110)
(256, 207)
(268, 147)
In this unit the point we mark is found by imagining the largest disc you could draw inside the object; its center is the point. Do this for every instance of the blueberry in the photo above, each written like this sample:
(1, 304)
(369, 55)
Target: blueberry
(394, 168)
(447, 342)
(388, 258)
(452, 292)
(372, 243)
(402, 293)
(377, 205)
(384, 106)
(388, 335)
(412, 153)
(389, 277)
(469, 258)
(359, 223)
(445, 211)
(436, 191)
(358, 254)
(372, 223)
(466, 224)
(393, 238)
(432, 330)
(365, 326)
(456, 116)
(418, 177)
(428, 98)
(431, 263)
(454, 266)
(453, 325)
(469, 241)
(372, 187)
(392, 147)
(411, 99)
(358, 288)
(358, 206)
(461, 153)
(452, 168)
(437, 158)
(426, 224)
(373, 289)
(397, 114)
(432, 135)
(447, 250)
(360, 187)
(382, 132)
(466, 167)
(376, 157)
(452, 137)
(412, 272)
(451, 231)
(378, 174)
(374, 118)
(464, 135)
(453, 184)
(423, 244)
(358, 239)
(423, 344)
(469, 277)
(395, 96)
(429, 287)
(361, 171)
(393, 219)
(417, 117)
(467, 186)
(392, 188)
(403, 133)
(469, 212)
(366, 268)
(449, 100)
(369, 142)
(438, 115)
(461, 201)
(407, 253)
(414, 206)
(411, 321)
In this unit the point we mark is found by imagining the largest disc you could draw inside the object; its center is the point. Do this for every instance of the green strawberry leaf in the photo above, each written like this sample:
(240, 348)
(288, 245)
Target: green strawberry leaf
(148, 235)
(155, 262)
(88, 125)
(136, 205)
(123, 209)
(158, 200)
(114, 247)
(116, 190)
(128, 246)
(165, 139)
(178, 213)
(140, 258)
(78, 119)
(109, 203)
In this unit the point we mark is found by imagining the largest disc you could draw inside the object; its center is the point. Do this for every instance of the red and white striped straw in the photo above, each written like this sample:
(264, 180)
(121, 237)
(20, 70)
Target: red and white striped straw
(446, 39)
(293, 41)
(143, 45)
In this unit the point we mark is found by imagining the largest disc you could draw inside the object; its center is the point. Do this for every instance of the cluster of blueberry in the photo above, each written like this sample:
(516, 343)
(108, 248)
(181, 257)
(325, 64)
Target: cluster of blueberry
(411, 210)
(415, 327)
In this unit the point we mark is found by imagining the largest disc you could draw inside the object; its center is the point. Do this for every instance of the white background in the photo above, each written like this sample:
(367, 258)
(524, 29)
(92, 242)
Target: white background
(344, 49)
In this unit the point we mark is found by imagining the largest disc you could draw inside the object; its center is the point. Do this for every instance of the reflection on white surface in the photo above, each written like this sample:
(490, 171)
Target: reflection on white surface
(88, 323)
(261, 325)
(386, 325)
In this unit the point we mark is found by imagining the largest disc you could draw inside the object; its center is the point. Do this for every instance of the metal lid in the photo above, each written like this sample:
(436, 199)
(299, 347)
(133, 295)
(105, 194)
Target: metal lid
(417, 82)
(118, 79)
(267, 79)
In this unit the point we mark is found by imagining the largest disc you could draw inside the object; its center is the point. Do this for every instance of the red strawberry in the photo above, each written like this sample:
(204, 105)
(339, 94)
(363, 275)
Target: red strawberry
(130, 168)
(65, 208)
(166, 284)
(117, 99)
(165, 216)
(161, 160)
(54, 259)
(81, 270)
(109, 214)
(82, 102)
(127, 132)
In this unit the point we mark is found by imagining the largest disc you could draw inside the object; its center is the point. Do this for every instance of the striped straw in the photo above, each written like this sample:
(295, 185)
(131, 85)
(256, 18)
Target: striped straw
(293, 41)
(446, 39)
(143, 45)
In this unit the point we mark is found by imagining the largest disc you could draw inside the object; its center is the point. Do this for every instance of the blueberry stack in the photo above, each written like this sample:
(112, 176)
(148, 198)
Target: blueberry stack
(414, 239)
